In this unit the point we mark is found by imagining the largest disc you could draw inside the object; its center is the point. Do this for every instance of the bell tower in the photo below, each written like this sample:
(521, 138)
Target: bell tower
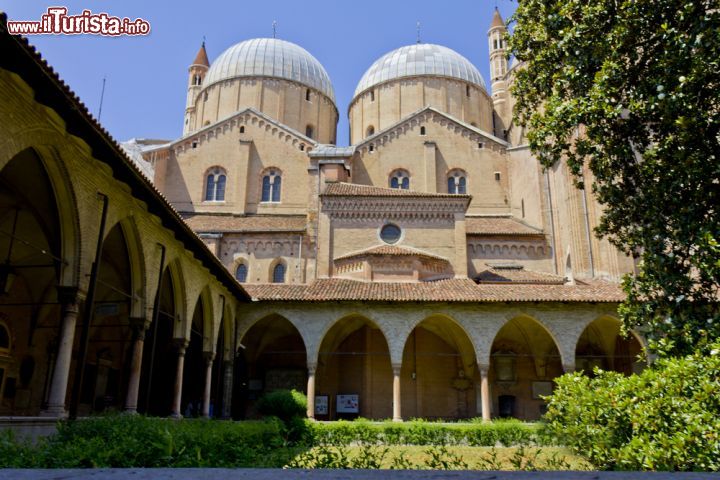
(196, 76)
(498, 69)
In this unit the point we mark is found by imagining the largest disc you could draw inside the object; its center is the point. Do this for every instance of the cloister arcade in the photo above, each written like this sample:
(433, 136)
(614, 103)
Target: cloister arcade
(432, 361)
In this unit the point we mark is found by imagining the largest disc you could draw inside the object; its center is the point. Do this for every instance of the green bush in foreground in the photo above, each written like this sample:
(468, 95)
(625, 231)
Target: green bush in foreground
(666, 418)
(123, 441)
(283, 404)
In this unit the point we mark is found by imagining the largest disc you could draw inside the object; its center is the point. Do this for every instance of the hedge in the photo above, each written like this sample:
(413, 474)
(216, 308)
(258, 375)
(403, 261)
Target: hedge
(122, 441)
(419, 432)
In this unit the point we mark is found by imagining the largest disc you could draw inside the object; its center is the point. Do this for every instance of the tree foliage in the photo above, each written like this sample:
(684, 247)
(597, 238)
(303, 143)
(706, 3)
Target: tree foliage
(630, 89)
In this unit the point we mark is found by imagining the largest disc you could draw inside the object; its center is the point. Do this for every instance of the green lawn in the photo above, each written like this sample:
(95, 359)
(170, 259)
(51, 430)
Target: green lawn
(440, 457)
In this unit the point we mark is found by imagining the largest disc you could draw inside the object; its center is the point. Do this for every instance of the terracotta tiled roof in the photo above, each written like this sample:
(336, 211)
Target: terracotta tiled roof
(455, 290)
(341, 189)
(498, 226)
(252, 223)
(201, 58)
(517, 274)
(391, 250)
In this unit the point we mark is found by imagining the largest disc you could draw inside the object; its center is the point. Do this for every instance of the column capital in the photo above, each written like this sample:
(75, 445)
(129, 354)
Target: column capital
(139, 326)
(312, 368)
(68, 295)
(208, 357)
(483, 368)
(181, 345)
(568, 367)
(396, 368)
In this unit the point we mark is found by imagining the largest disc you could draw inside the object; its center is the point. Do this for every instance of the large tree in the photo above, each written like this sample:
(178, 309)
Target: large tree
(631, 90)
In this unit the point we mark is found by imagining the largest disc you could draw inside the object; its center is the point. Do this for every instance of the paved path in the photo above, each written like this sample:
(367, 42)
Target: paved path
(277, 474)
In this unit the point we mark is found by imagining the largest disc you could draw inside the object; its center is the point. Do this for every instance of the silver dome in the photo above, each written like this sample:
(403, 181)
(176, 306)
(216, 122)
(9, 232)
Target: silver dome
(420, 59)
(270, 57)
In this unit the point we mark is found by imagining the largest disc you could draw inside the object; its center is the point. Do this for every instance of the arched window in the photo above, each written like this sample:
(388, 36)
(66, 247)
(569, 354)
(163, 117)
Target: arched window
(370, 131)
(372, 95)
(271, 186)
(278, 275)
(309, 130)
(307, 94)
(241, 273)
(400, 179)
(215, 185)
(457, 183)
(422, 130)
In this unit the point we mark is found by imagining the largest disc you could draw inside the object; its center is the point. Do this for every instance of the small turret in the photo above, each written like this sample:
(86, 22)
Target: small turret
(196, 76)
(498, 67)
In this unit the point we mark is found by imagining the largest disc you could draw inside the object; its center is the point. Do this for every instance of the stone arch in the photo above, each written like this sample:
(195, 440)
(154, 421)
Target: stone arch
(601, 344)
(138, 267)
(354, 358)
(438, 365)
(55, 168)
(110, 333)
(272, 354)
(175, 271)
(203, 309)
(159, 362)
(525, 357)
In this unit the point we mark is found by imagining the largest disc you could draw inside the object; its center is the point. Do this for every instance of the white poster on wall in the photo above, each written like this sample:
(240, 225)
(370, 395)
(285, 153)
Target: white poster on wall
(348, 403)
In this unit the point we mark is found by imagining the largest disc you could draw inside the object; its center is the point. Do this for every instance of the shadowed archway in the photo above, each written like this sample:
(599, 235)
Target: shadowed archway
(523, 363)
(437, 371)
(354, 359)
(272, 357)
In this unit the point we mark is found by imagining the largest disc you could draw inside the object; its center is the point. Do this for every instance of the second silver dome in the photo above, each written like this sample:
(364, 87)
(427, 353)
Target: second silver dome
(420, 59)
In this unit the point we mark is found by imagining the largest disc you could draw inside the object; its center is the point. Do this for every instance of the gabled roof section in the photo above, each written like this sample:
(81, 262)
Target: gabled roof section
(20, 57)
(373, 139)
(342, 189)
(394, 250)
(235, 116)
(496, 226)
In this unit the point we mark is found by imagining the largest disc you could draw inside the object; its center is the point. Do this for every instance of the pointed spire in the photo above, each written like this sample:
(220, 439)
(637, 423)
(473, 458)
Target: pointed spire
(201, 58)
(497, 20)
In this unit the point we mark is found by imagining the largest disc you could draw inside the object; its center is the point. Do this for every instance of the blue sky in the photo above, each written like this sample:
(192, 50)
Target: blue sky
(147, 76)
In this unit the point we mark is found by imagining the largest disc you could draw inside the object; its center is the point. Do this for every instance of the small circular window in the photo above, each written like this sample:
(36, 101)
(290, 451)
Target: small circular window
(390, 233)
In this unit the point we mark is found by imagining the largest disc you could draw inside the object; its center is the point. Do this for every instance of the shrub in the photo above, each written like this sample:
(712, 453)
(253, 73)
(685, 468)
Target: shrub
(123, 441)
(666, 418)
(283, 404)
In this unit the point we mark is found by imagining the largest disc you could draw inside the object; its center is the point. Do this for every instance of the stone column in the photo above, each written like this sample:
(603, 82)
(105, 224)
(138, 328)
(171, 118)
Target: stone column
(68, 298)
(397, 417)
(228, 374)
(311, 391)
(181, 344)
(139, 327)
(484, 392)
(208, 357)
